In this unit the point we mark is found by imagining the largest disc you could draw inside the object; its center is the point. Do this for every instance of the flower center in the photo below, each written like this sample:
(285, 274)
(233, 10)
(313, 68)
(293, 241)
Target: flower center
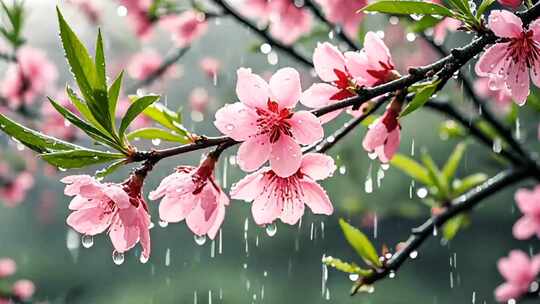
(346, 85)
(273, 121)
(524, 51)
(284, 189)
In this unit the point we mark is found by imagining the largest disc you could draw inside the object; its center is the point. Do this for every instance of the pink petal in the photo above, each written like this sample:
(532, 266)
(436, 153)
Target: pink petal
(375, 136)
(265, 209)
(376, 50)
(316, 198)
(251, 89)
(292, 211)
(117, 195)
(507, 291)
(525, 227)
(505, 24)
(236, 121)
(220, 216)
(391, 146)
(358, 64)
(285, 157)
(317, 166)
(175, 209)
(318, 95)
(528, 201)
(207, 215)
(491, 58)
(518, 82)
(535, 27)
(253, 153)
(124, 232)
(144, 232)
(535, 72)
(249, 187)
(89, 221)
(79, 202)
(285, 87)
(513, 267)
(326, 59)
(306, 128)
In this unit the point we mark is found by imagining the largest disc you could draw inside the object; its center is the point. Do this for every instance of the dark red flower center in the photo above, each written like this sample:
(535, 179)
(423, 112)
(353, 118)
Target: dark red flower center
(274, 121)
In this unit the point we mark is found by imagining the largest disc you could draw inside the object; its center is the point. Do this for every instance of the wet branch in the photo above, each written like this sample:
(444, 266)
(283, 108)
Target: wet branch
(459, 205)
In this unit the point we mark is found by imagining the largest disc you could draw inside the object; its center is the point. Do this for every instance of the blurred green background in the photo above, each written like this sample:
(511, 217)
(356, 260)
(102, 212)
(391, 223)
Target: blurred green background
(252, 266)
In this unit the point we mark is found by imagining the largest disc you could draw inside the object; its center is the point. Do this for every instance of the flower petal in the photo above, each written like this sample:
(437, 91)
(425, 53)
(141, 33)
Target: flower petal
(175, 209)
(124, 232)
(326, 59)
(90, 221)
(251, 89)
(236, 120)
(506, 291)
(285, 156)
(253, 153)
(525, 227)
(249, 187)
(292, 211)
(318, 95)
(316, 198)
(317, 166)
(285, 87)
(505, 24)
(306, 128)
(492, 57)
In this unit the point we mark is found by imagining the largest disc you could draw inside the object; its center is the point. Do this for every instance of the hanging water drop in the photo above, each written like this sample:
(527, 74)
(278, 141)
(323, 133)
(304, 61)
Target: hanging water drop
(118, 257)
(200, 239)
(163, 224)
(271, 229)
(353, 277)
(87, 241)
(143, 259)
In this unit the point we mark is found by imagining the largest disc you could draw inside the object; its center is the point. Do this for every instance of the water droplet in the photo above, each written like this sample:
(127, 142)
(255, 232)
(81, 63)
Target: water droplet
(118, 257)
(271, 229)
(163, 224)
(353, 277)
(413, 255)
(422, 192)
(156, 141)
(372, 155)
(143, 259)
(87, 241)
(200, 239)
(392, 274)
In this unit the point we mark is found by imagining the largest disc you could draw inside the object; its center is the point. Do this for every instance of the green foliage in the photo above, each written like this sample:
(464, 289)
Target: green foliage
(453, 225)
(361, 244)
(157, 133)
(16, 17)
(451, 129)
(423, 24)
(137, 107)
(420, 98)
(79, 158)
(345, 266)
(412, 168)
(406, 7)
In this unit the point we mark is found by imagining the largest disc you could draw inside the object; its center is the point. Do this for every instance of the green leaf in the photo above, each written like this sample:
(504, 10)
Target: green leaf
(452, 226)
(79, 158)
(423, 24)
(361, 244)
(451, 129)
(110, 169)
(165, 117)
(32, 139)
(483, 7)
(82, 107)
(346, 267)
(100, 63)
(449, 169)
(420, 98)
(407, 8)
(153, 133)
(436, 176)
(467, 183)
(412, 168)
(136, 108)
(114, 94)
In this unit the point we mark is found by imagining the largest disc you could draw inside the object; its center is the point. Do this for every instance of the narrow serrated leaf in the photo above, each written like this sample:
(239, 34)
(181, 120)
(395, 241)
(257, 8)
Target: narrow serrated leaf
(407, 8)
(412, 168)
(361, 244)
(110, 169)
(79, 158)
(467, 183)
(136, 108)
(346, 267)
(156, 133)
(420, 98)
(449, 169)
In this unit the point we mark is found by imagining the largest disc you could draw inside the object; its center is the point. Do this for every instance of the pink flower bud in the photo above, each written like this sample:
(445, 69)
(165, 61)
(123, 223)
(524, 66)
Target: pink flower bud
(7, 267)
(23, 289)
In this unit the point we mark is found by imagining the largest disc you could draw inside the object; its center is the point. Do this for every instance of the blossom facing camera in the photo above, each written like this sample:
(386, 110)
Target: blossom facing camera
(265, 123)
(192, 194)
(274, 197)
(117, 209)
(519, 271)
(383, 135)
(528, 202)
(510, 63)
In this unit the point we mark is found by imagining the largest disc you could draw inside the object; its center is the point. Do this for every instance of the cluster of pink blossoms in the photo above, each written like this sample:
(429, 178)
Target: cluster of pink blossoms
(22, 290)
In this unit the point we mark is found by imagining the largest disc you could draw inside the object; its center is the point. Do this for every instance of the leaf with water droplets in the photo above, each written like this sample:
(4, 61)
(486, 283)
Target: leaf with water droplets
(157, 133)
(79, 158)
(420, 98)
(467, 183)
(346, 267)
(361, 244)
(138, 106)
(407, 8)
(452, 226)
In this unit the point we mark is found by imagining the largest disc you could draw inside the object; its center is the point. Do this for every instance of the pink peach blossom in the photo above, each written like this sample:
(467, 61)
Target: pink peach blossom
(32, 75)
(283, 198)
(383, 135)
(14, 192)
(186, 27)
(519, 271)
(53, 123)
(509, 63)
(7, 267)
(192, 194)
(118, 209)
(145, 63)
(265, 123)
(286, 21)
(344, 73)
(501, 97)
(199, 99)
(139, 17)
(528, 202)
(210, 66)
(344, 13)
(89, 8)
(23, 289)
(511, 3)
(446, 25)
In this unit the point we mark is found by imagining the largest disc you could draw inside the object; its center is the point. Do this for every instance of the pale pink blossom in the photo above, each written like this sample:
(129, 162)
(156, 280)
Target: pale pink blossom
(89, 8)
(139, 17)
(510, 62)
(446, 25)
(53, 123)
(286, 21)
(192, 194)
(519, 271)
(13, 192)
(284, 198)
(511, 3)
(528, 202)
(266, 124)
(23, 289)
(344, 13)
(199, 99)
(383, 135)
(7, 267)
(32, 75)
(186, 27)
(344, 74)
(210, 66)
(118, 209)
(501, 97)
(147, 62)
